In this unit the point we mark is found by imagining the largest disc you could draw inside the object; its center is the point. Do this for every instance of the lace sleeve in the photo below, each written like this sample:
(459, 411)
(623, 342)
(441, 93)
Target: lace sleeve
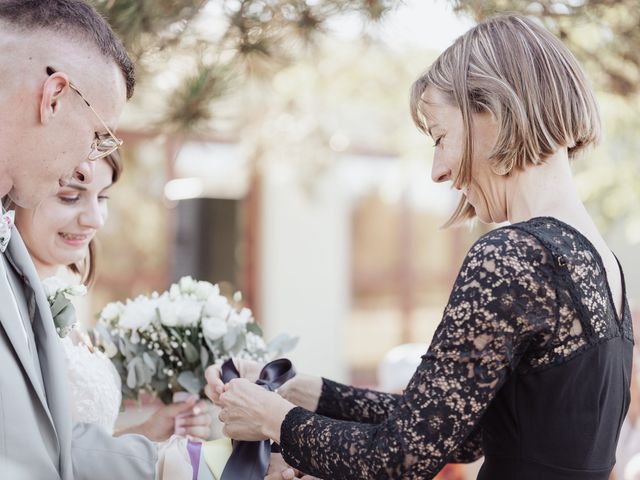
(344, 402)
(503, 301)
(470, 450)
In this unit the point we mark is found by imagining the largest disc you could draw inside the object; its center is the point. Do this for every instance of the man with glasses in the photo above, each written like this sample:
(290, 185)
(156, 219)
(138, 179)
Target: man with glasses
(64, 80)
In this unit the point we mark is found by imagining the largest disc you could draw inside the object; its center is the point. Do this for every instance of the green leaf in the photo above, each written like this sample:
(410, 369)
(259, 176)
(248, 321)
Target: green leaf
(230, 339)
(282, 344)
(191, 382)
(150, 361)
(190, 352)
(204, 357)
(253, 327)
(132, 379)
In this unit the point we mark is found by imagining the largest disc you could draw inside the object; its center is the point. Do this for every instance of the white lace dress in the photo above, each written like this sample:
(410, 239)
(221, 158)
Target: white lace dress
(94, 384)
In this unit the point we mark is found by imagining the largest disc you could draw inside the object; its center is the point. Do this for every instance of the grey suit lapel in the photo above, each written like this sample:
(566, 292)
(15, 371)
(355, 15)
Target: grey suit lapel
(52, 362)
(12, 325)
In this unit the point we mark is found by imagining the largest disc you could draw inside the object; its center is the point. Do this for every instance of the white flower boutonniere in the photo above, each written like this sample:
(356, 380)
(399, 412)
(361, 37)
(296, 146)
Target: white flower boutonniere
(59, 295)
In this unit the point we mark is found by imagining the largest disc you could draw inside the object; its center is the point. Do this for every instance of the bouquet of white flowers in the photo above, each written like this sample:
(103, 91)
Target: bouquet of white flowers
(164, 342)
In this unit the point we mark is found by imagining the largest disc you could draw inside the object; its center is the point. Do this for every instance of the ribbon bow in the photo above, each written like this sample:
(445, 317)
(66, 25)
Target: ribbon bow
(250, 460)
(6, 225)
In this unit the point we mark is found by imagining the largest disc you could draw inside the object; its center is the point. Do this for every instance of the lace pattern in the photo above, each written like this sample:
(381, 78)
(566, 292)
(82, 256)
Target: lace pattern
(94, 384)
(516, 305)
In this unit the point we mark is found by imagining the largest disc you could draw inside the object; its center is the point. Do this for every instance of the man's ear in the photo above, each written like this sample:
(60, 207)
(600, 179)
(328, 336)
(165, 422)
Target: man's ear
(55, 91)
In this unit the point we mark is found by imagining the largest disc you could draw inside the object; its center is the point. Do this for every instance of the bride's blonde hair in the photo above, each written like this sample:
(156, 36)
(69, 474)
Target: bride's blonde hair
(528, 80)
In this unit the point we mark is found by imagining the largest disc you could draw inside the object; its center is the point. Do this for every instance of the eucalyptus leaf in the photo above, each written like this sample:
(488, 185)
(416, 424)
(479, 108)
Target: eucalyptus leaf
(204, 356)
(60, 302)
(230, 339)
(149, 361)
(253, 327)
(132, 379)
(191, 382)
(190, 352)
(282, 344)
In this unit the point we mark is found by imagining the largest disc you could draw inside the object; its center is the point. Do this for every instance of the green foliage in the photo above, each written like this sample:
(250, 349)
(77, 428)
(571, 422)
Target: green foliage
(604, 34)
(222, 43)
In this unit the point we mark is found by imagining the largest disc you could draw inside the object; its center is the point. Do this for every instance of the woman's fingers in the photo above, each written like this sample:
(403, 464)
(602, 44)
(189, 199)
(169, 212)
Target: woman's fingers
(201, 433)
(204, 419)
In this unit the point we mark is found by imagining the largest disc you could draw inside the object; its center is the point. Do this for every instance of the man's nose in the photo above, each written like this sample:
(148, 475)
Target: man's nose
(84, 172)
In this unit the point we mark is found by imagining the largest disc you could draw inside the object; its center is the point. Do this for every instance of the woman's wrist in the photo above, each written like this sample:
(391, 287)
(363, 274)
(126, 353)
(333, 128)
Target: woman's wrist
(303, 390)
(275, 417)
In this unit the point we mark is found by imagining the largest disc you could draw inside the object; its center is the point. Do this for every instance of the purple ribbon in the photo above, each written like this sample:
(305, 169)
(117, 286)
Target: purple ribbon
(250, 460)
(194, 455)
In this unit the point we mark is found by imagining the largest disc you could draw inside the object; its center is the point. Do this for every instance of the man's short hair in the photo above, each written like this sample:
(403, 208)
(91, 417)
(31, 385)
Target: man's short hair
(75, 17)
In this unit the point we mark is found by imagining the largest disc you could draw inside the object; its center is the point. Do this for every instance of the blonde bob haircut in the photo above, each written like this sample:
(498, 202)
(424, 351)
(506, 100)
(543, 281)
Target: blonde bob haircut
(516, 70)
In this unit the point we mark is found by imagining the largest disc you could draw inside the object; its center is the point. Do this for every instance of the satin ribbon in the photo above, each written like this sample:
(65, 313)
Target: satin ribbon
(250, 460)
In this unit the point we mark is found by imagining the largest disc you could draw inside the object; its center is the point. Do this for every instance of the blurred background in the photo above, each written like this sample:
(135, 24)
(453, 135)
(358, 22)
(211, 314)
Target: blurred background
(269, 148)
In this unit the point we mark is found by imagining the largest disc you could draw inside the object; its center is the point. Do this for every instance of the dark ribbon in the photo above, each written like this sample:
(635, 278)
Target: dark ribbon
(250, 460)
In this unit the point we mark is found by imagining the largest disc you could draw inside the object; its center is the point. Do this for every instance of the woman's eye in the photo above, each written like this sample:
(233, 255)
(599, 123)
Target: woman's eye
(437, 142)
(103, 198)
(69, 199)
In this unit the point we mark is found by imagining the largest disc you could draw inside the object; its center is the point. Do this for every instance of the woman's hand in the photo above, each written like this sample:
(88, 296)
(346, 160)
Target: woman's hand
(189, 418)
(215, 386)
(250, 412)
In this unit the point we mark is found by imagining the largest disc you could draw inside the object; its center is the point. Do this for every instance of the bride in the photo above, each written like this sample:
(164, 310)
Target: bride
(59, 235)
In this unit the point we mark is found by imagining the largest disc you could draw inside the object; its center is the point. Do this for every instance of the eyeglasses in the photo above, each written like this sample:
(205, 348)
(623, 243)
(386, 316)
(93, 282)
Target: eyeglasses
(102, 145)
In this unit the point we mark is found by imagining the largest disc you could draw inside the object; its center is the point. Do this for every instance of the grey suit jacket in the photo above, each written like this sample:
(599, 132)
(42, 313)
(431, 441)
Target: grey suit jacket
(37, 438)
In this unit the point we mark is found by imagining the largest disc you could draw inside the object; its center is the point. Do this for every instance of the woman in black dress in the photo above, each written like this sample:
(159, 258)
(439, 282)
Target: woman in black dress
(530, 366)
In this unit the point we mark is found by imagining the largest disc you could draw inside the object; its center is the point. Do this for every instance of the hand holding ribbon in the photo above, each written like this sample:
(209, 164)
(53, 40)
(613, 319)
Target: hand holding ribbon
(246, 410)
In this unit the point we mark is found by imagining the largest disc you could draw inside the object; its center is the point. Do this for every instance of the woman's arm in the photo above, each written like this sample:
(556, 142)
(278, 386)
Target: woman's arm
(504, 282)
(502, 299)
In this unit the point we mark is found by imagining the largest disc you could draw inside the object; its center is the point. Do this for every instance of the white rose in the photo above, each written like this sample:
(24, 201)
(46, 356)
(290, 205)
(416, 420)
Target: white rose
(52, 284)
(112, 311)
(138, 314)
(214, 328)
(217, 306)
(240, 319)
(187, 285)
(189, 312)
(174, 292)
(205, 289)
(168, 313)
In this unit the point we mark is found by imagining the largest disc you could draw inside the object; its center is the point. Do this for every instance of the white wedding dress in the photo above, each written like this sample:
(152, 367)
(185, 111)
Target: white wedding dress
(94, 384)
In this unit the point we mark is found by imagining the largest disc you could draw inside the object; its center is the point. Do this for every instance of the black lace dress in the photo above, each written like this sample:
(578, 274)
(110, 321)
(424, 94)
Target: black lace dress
(529, 367)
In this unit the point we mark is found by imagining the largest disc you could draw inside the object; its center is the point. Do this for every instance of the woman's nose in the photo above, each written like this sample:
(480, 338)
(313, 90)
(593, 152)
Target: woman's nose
(92, 217)
(440, 172)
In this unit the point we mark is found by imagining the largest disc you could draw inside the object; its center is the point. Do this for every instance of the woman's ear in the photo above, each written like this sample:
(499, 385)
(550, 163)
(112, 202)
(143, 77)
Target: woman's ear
(54, 92)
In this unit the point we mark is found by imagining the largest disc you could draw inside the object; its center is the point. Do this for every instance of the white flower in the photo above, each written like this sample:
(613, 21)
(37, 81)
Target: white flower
(187, 285)
(240, 319)
(77, 290)
(138, 314)
(174, 292)
(52, 285)
(168, 312)
(204, 290)
(217, 306)
(214, 328)
(189, 312)
(112, 311)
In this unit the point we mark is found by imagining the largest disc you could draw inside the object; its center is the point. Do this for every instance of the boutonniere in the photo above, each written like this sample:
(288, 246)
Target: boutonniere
(6, 225)
(59, 295)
